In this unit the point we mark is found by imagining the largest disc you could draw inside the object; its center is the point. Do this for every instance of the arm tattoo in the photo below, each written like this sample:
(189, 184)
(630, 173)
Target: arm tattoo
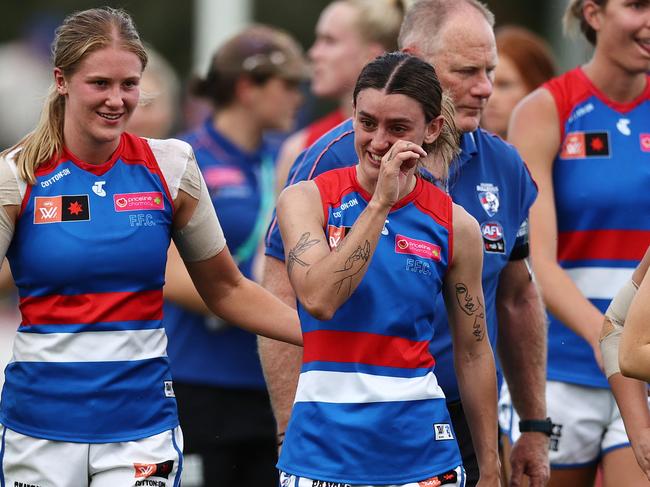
(353, 265)
(471, 306)
(302, 246)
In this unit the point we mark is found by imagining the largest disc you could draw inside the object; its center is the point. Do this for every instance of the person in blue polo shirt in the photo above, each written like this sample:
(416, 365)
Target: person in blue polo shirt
(253, 82)
(490, 180)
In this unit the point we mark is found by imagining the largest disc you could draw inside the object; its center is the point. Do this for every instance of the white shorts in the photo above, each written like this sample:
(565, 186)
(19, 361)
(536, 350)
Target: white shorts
(155, 461)
(288, 480)
(586, 423)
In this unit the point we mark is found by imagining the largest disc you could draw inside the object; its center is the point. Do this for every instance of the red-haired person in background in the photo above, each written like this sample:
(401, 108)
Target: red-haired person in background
(525, 62)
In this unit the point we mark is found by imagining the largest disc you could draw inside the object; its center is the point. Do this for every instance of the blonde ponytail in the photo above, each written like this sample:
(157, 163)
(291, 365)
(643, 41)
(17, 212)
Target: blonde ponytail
(44, 141)
(446, 147)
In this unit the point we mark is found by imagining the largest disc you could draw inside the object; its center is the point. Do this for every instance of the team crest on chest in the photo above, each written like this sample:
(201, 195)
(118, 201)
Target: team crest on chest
(488, 195)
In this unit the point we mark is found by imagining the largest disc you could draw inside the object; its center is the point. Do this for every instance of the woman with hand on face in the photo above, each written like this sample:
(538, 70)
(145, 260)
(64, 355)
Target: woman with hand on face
(88, 212)
(368, 249)
(585, 138)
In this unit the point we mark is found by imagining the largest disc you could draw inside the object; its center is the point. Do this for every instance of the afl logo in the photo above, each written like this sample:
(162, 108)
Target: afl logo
(121, 202)
(402, 244)
(492, 231)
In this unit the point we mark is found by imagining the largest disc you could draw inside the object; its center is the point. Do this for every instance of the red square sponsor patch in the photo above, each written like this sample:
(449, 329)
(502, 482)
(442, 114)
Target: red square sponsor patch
(336, 235)
(139, 201)
(644, 141)
(574, 146)
(47, 209)
(411, 246)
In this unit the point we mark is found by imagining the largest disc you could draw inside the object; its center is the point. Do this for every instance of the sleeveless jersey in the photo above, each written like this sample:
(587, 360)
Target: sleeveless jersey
(202, 349)
(368, 407)
(488, 179)
(88, 256)
(601, 178)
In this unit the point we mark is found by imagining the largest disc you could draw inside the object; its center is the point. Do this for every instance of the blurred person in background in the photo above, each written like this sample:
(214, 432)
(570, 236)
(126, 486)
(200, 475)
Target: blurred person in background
(157, 113)
(25, 75)
(349, 33)
(525, 62)
(253, 83)
(585, 138)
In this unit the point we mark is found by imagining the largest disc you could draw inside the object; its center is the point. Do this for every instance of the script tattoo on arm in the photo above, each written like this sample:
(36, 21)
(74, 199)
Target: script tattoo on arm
(471, 306)
(352, 266)
(302, 246)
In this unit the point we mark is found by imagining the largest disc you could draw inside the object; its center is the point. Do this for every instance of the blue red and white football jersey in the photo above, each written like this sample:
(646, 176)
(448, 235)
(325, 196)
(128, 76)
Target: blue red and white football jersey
(88, 256)
(368, 407)
(601, 177)
(488, 179)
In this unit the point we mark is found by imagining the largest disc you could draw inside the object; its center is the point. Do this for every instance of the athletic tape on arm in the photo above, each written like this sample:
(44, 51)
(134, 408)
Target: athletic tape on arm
(613, 327)
(202, 237)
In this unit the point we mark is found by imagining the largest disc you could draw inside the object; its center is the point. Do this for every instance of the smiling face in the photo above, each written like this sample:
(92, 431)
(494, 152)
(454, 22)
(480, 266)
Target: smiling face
(100, 96)
(623, 33)
(380, 120)
(465, 56)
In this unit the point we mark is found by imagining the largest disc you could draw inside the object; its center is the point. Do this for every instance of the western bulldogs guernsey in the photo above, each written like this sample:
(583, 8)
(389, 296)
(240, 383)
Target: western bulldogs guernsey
(601, 178)
(368, 408)
(488, 179)
(88, 256)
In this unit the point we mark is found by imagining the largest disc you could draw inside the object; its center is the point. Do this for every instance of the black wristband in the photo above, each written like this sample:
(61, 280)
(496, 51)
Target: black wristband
(536, 425)
(280, 437)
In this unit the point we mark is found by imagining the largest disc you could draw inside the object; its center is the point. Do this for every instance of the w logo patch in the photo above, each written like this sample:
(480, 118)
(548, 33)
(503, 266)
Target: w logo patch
(56, 209)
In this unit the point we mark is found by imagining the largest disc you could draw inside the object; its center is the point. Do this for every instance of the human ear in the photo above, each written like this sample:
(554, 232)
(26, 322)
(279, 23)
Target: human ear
(591, 12)
(434, 127)
(60, 82)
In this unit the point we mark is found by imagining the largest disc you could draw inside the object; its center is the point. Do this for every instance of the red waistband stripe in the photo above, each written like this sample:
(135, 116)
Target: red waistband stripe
(92, 308)
(366, 348)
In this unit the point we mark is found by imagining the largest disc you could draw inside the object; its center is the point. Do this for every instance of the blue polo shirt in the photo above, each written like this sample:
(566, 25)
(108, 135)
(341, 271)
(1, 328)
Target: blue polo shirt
(203, 350)
(488, 179)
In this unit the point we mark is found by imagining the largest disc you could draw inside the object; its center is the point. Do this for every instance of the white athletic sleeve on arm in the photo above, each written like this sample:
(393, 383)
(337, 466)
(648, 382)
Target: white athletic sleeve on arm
(615, 319)
(12, 190)
(202, 236)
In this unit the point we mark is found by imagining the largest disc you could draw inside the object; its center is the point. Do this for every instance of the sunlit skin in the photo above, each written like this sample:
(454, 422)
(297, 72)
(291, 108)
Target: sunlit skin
(465, 58)
(381, 120)
(100, 97)
(509, 89)
(339, 52)
(623, 31)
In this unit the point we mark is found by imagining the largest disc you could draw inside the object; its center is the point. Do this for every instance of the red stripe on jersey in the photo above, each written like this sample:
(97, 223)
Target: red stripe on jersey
(602, 244)
(92, 308)
(365, 348)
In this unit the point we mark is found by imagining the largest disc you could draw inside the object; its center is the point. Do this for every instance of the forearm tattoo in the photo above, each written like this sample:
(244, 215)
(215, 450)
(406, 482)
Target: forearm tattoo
(354, 263)
(302, 246)
(472, 306)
